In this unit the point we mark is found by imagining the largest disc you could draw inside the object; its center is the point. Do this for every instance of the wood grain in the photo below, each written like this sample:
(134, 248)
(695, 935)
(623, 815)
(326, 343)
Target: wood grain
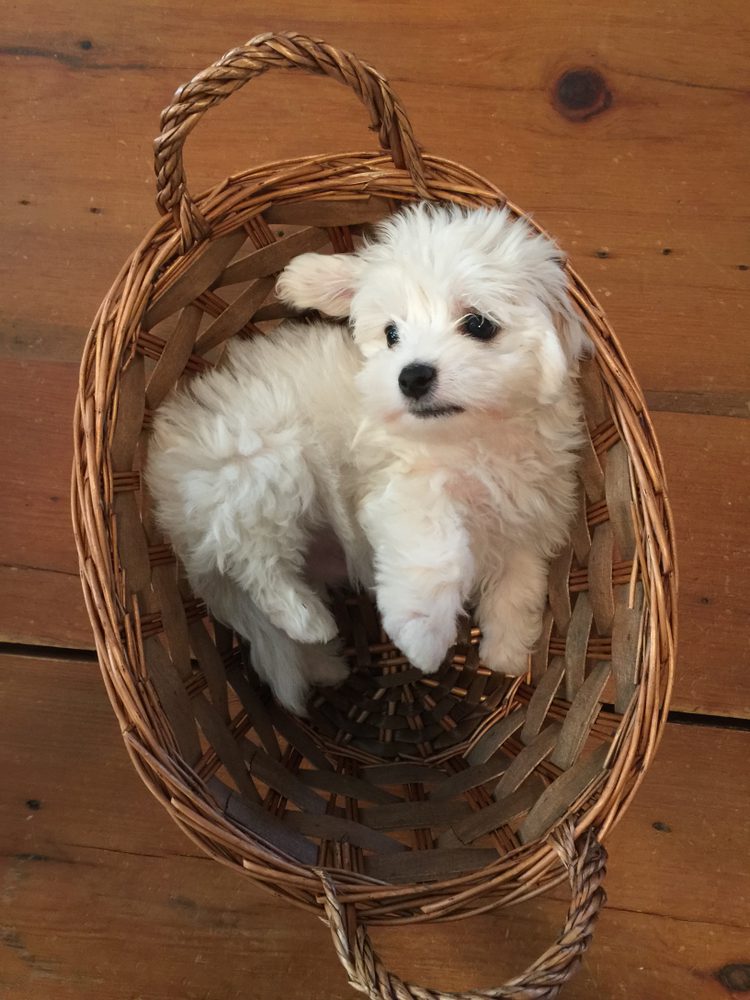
(40, 591)
(105, 899)
(708, 466)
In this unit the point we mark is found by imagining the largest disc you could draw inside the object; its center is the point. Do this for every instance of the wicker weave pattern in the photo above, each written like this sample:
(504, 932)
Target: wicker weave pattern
(543, 979)
(420, 797)
(239, 66)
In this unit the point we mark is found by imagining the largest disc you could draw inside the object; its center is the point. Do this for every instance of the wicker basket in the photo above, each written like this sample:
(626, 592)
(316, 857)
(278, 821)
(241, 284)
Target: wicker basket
(404, 797)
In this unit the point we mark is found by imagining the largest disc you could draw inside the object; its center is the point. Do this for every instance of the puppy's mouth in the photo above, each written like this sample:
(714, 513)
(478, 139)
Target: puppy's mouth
(426, 411)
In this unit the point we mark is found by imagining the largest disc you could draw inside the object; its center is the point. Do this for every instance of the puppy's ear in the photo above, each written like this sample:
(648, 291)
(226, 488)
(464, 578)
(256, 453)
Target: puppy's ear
(562, 346)
(320, 281)
(573, 338)
(547, 262)
(554, 367)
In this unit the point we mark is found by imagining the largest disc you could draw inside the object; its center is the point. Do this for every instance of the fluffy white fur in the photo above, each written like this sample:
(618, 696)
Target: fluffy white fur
(454, 500)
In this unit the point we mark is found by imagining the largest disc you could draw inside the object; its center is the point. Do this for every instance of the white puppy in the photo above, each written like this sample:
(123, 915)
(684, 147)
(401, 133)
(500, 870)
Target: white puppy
(436, 437)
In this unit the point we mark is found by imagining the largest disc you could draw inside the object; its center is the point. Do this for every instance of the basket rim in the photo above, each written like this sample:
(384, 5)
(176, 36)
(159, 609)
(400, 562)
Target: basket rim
(108, 348)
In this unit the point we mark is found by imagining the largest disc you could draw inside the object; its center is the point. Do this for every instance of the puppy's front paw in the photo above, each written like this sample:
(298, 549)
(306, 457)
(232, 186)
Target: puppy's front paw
(503, 656)
(425, 641)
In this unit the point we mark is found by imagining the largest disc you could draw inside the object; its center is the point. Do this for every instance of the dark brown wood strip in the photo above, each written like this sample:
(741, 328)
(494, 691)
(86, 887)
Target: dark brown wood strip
(556, 799)
(417, 815)
(272, 832)
(576, 645)
(425, 866)
(619, 500)
(339, 828)
(471, 777)
(173, 699)
(167, 600)
(626, 636)
(529, 758)
(205, 263)
(494, 738)
(272, 258)
(272, 773)
(256, 711)
(558, 589)
(212, 667)
(541, 652)
(541, 699)
(580, 718)
(580, 534)
(131, 541)
(592, 393)
(322, 213)
(223, 743)
(590, 470)
(294, 733)
(401, 774)
(234, 317)
(499, 813)
(129, 417)
(600, 578)
(174, 357)
(345, 784)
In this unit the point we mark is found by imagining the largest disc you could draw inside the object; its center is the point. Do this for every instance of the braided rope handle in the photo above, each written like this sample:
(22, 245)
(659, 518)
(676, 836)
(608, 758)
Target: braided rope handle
(543, 980)
(234, 70)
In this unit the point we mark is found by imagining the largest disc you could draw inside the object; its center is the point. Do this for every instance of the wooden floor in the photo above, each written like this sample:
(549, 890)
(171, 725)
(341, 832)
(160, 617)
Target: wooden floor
(639, 165)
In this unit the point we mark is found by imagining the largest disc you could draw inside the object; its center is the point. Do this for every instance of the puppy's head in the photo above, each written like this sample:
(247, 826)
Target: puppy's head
(456, 313)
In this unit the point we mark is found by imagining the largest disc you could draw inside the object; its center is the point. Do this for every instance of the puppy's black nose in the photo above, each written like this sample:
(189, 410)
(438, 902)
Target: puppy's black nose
(415, 379)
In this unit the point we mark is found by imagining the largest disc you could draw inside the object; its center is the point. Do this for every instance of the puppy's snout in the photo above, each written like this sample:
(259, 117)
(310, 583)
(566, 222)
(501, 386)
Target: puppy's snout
(416, 379)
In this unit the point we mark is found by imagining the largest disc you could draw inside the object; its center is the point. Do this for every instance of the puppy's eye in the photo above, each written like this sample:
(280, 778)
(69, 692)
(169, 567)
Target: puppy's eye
(479, 327)
(391, 334)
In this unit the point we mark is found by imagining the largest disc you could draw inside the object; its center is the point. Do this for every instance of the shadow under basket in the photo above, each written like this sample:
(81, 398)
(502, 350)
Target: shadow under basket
(403, 797)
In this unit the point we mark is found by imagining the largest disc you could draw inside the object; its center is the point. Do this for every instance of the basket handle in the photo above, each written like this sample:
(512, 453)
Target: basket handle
(585, 863)
(236, 68)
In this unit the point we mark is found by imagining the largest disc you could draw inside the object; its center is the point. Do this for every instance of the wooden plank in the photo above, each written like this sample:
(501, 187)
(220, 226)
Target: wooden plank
(40, 590)
(159, 923)
(708, 469)
(61, 747)
(138, 912)
(36, 409)
(43, 607)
